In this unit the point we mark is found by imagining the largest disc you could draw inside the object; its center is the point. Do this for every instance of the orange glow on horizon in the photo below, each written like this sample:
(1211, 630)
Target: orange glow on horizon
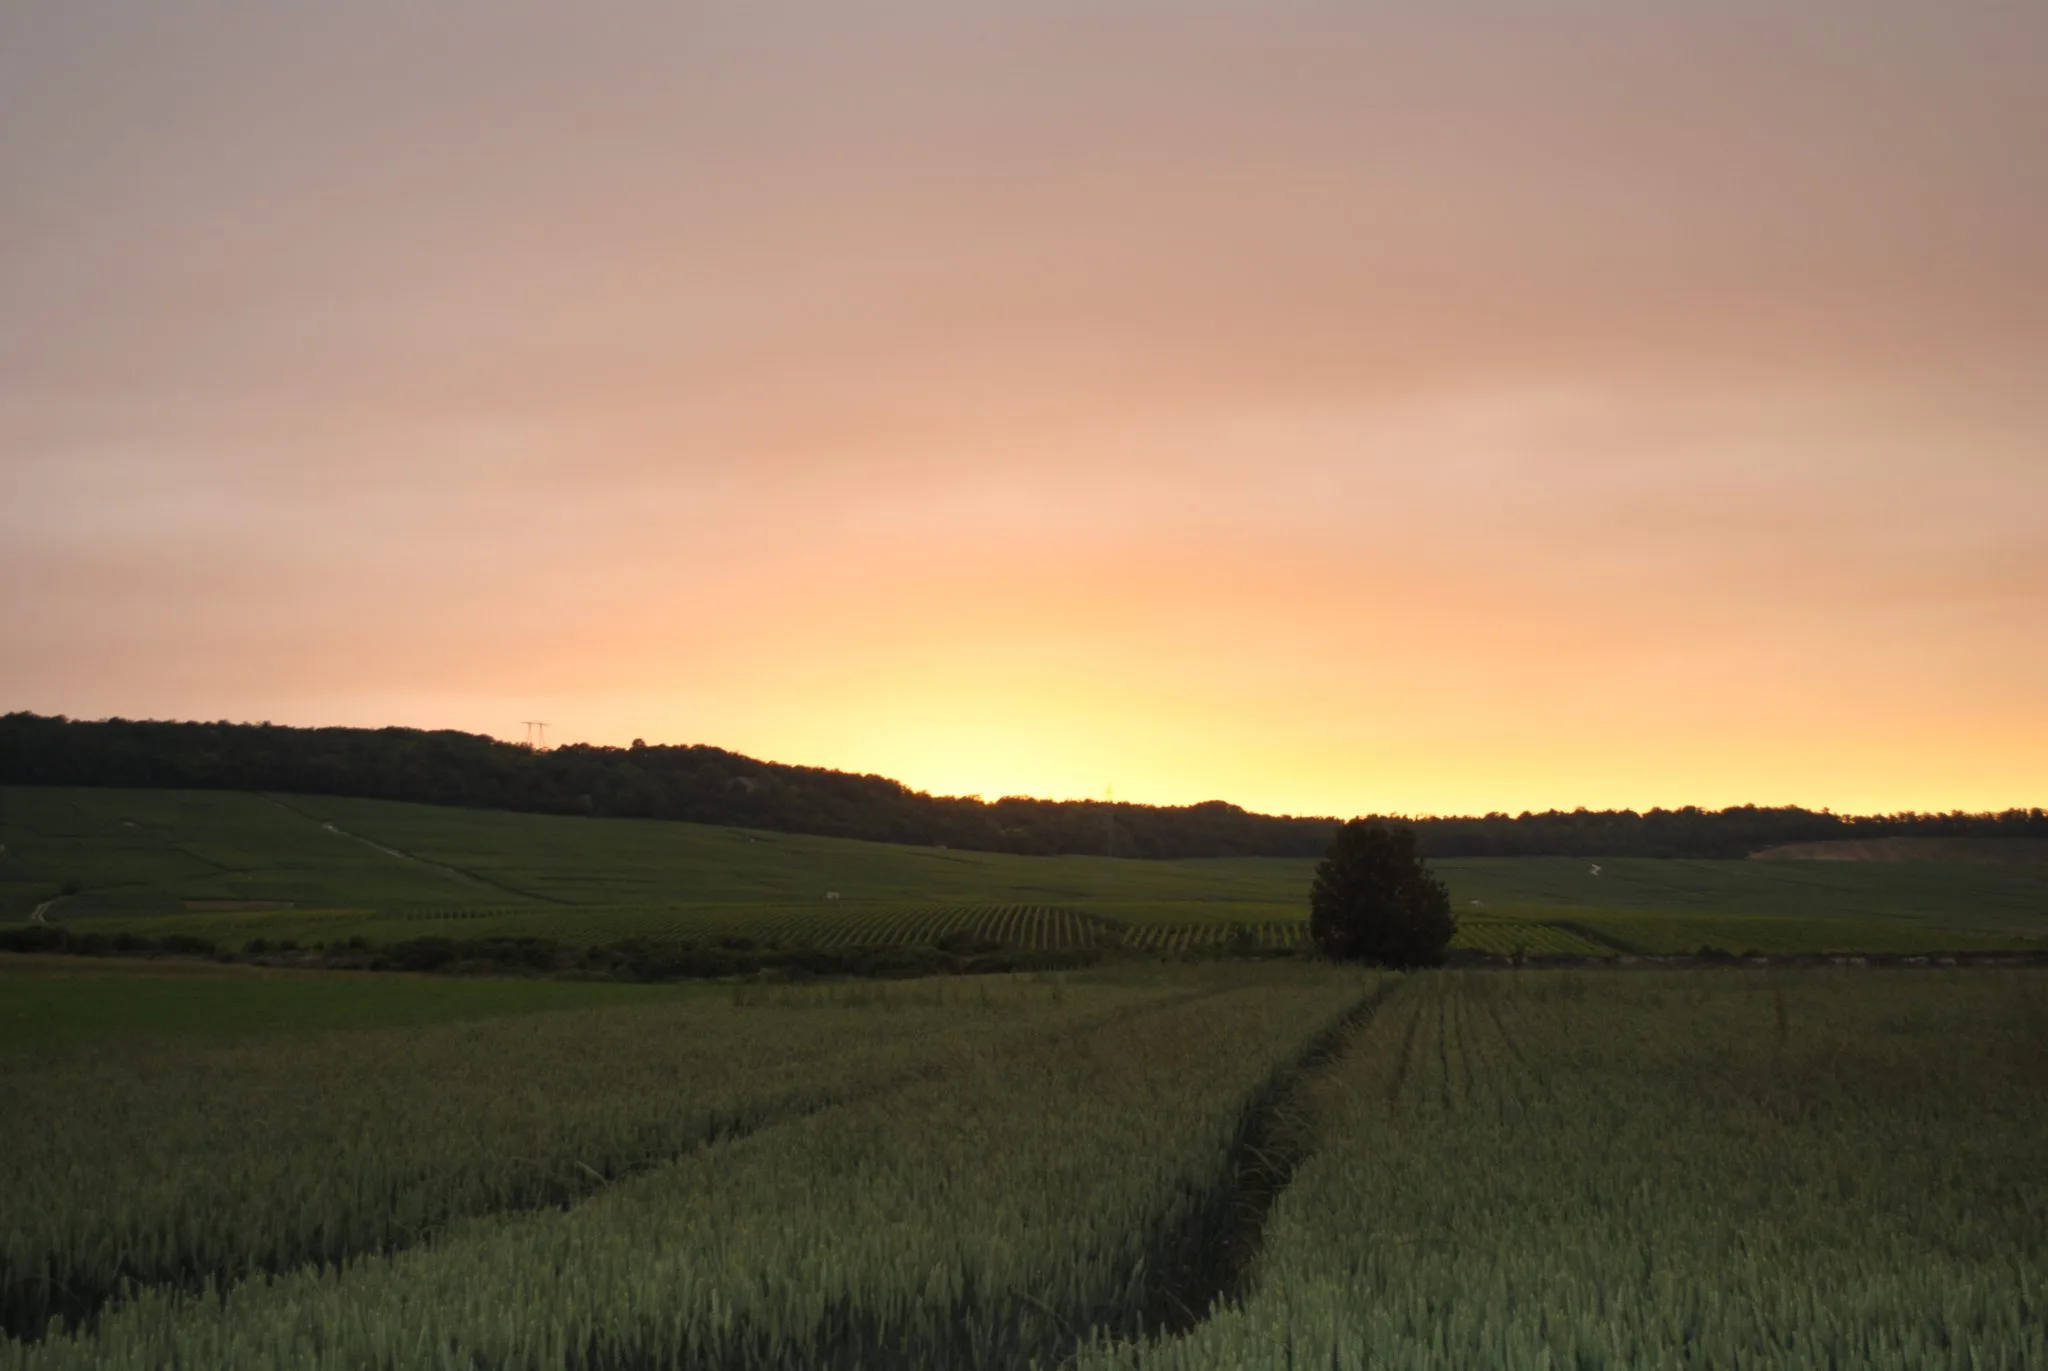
(1299, 406)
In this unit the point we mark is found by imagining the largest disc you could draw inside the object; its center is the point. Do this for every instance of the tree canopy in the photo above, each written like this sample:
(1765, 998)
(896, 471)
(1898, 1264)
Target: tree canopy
(1374, 899)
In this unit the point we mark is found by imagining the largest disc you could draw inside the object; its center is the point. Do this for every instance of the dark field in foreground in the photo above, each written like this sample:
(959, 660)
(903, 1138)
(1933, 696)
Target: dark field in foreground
(1490, 1168)
(235, 867)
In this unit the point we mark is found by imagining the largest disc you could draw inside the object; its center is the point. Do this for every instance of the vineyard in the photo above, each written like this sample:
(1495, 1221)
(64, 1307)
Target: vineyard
(1032, 927)
(1029, 927)
(1509, 937)
(1276, 934)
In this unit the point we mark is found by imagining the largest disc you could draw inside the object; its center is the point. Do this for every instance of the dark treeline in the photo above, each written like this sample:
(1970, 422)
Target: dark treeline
(712, 786)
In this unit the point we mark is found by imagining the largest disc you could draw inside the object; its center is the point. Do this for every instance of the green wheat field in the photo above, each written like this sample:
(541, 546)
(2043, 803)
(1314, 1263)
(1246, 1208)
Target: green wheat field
(1207, 1165)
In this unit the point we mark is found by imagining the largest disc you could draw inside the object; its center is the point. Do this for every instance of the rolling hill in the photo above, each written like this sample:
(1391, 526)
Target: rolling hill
(236, 866)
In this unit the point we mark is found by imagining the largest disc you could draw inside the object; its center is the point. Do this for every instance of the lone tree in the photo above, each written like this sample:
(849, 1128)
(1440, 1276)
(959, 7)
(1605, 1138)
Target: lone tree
(1374, 900)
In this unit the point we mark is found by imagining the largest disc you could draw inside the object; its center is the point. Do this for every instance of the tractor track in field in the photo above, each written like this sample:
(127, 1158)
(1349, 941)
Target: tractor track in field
(1220, 1251)
(574, 1183)
(1217, 1246)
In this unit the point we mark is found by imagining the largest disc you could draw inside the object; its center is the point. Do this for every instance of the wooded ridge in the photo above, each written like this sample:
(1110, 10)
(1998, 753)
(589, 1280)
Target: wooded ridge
(709, 785)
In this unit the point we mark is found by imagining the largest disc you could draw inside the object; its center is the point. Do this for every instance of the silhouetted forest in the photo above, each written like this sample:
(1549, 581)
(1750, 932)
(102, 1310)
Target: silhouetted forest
(712, 786)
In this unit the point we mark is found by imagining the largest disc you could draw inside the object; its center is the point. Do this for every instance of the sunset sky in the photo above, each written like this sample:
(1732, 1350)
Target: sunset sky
(1332, 408)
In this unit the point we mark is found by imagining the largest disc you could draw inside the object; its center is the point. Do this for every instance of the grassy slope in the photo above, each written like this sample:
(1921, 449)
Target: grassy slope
(144, 852)
(1989, 896)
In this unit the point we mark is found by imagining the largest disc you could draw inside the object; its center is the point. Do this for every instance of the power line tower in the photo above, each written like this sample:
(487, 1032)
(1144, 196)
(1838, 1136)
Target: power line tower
(1109, 821)
(536, 734)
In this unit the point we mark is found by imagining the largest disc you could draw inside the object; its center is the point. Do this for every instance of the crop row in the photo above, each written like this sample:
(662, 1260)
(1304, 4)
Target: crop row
(1276, 933)
(1031, 927)
(1037, 928)
(1506, 937)
(1499, 936)
(990, 1218)
(1606, 1172)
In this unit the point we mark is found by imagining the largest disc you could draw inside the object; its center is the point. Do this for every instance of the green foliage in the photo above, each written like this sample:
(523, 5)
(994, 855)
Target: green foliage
(1374, 899)
(1615, 1171)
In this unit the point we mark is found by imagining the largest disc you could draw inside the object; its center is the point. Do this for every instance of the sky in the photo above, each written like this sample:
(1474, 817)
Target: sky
(1328, 407)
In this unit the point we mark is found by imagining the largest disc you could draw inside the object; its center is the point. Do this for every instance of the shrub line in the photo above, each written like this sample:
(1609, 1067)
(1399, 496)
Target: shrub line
(647, 959)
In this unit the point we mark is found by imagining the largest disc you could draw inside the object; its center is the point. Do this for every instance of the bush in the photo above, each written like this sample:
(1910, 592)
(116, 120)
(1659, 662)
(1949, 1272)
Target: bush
(1374, 899)
(419, 954)
(523, 953)
(35, 938)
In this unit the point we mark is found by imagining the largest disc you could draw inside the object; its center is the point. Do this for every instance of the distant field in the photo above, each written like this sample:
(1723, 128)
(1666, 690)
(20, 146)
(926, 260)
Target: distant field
(236, 867)
(140, 852)
(1972, 895)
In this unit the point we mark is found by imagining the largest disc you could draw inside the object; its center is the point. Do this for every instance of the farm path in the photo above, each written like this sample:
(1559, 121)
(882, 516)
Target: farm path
(449, 871)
